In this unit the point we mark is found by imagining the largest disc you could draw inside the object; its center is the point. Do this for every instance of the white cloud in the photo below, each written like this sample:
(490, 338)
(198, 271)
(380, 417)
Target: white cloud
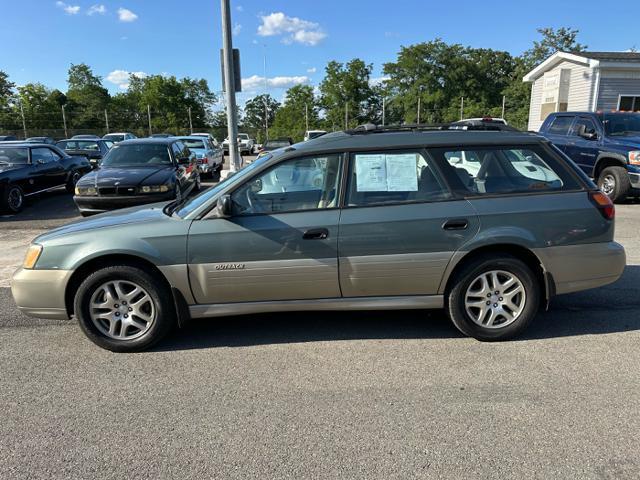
(69, 9)
(378, 80)
(235, 31)
(257, 82)
(295, 29)
(312, 70)
(99, 9)
(121, 78)
(126, 15)
(240, 8)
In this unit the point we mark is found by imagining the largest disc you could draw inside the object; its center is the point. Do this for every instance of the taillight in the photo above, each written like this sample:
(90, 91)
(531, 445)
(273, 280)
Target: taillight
(604, 204)
(205, 159)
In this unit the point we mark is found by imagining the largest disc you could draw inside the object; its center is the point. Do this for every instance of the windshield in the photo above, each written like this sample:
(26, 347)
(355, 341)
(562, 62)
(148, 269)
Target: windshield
(619, 124)
(243, 136)
(13, 155)
(192, 143)
(203, 198)
(114, 137)
(276, 144)
(137, 154)
(316, 134)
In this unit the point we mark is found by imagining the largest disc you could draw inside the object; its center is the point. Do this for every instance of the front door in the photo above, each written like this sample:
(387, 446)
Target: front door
(400, 226)
(279, 244)
(584, 151)
(49, 170)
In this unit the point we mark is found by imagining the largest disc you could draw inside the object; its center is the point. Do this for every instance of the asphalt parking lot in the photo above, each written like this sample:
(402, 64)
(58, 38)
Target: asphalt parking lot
(345, 395)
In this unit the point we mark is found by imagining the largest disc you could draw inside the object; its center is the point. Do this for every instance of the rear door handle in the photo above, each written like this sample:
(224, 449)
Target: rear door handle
(456, 224)
(316, 234)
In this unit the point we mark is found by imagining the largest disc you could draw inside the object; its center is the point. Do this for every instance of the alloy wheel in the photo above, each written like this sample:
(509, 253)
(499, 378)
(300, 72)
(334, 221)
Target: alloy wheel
(608, 184)
(495, 299)
(122, 310)
(15, 199)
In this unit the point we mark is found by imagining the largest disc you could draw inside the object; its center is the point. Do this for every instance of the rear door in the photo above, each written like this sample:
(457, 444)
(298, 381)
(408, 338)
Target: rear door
(400, 225)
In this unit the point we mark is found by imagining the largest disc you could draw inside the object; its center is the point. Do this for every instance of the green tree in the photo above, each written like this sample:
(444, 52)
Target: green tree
(346, 92)
(9, 118)
(87, 99)
(290, 119)
(258, 111)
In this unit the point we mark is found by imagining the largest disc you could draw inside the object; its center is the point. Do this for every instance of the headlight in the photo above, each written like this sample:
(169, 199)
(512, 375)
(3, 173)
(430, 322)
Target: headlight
(154, 189)
(86, 190)
(634, 157)
(33, 253)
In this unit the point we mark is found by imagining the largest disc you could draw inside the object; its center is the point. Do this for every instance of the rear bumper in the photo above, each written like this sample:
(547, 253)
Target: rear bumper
(581, 267)
(40, 293)
(103, 204)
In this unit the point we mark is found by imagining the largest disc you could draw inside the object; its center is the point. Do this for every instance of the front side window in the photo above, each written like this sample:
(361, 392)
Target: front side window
(560, 125)
(42, 155)
(584, 126)
(393, 177)
(490, 170)
(293, 185)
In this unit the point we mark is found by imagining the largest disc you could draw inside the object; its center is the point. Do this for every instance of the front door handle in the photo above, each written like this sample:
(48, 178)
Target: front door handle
(316, 234)
(456, 224)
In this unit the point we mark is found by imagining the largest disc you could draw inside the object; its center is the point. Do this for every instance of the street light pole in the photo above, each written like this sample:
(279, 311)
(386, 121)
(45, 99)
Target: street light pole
(384, 108)
(230, 86)
(306, 116)
(190, 123)
(64, 122)
(106, 119)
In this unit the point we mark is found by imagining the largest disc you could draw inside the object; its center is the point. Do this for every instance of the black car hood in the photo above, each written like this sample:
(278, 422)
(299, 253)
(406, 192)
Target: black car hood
(127, 176)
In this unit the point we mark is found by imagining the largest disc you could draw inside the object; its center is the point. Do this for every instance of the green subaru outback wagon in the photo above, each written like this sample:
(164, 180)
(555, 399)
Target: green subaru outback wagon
(488, 225)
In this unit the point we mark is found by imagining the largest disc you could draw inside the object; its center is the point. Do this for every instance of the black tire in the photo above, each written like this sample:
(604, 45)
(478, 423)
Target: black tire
(197, 185)
(465, 278)
(615, 183)
(12, 199)
(71, 183)
(165, 316)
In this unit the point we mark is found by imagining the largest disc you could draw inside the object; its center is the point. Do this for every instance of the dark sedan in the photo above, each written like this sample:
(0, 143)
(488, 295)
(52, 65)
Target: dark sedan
(139, 171)
(274, 144)
(94, 150)
(30, 168)
(48, 140)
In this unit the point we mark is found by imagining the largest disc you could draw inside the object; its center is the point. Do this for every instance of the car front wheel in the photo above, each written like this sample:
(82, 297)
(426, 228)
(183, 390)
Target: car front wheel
(13, 200)
(124, 309)
(493, 298)
(614, 182)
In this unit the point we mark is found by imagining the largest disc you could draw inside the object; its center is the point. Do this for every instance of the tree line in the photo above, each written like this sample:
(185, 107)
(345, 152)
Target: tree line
(426, 81)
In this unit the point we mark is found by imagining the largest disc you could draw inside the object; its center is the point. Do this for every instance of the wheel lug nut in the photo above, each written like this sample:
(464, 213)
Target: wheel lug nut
(488, 295)
(488, 303)
(116, 305)
(124, 303)
(117, 314)
(500, 298)
(497, 292)
(126, 316)
(495, 305)
(131, 309)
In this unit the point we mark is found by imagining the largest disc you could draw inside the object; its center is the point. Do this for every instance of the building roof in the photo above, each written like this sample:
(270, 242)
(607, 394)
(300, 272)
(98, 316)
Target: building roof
(628, 60)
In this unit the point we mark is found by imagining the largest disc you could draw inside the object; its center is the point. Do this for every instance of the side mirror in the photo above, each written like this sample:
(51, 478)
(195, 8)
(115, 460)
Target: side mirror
(223, 206)
(40, 161)
(589, 135)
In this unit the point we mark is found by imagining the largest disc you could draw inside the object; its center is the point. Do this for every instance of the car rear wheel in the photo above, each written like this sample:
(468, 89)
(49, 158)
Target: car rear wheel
(124, 309)
(71, 183)
(13, 200)
(493, 298)
(614, 182)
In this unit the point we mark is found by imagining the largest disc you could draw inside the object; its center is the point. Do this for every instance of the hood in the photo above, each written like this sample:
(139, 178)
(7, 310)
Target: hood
(5, 167)
(129, 176)
(632, 141)
(139, 215)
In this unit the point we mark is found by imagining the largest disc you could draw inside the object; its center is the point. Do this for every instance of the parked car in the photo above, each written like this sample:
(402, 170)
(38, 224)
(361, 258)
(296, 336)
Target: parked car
(29, 168)
(136, 172)
(209, 158)
(311, 134)
(48, 140)
(7, 138)
(362, 220)
(94, 150)
(161, 135)
(606, 146)
(119, 137)
(484, 123)
(245, 144)
(211, 138)
(274, 144)
(86, 137)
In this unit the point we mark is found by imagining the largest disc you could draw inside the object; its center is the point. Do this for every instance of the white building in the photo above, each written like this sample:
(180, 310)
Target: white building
(584, 81)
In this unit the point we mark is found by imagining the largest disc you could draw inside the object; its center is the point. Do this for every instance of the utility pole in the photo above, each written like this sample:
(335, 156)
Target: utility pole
(230, 86)
(266, 107)
(24, 123)
(64, 122)
(384, 108)
(504, 104)
(306, 116)
(149, 118)
(346, 116)
(418, 122)
(106, 119)
(190, 124)
(461, 108)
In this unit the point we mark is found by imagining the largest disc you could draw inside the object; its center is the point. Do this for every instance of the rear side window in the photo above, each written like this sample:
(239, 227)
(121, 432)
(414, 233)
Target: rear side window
(560, 125)
(13, 156)
(491, 170)
(393, 177)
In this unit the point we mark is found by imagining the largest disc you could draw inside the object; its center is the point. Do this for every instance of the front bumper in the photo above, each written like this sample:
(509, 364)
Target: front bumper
(581, 267)
(40, 293)
(635, 180)
(98, 204)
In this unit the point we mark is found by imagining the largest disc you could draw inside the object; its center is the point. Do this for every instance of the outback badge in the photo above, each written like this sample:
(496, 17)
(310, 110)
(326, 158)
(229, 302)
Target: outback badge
(230, 266)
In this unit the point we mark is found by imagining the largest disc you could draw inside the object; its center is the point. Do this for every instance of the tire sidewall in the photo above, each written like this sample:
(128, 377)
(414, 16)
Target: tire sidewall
(8, 191)
(622, 183)
(456, 298)
(165, 314)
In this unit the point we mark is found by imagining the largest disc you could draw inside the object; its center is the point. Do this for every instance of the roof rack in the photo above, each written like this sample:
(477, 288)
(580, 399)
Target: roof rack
(368, 128)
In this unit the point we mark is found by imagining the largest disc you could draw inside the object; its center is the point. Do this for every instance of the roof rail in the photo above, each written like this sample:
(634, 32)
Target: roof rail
(421, 127)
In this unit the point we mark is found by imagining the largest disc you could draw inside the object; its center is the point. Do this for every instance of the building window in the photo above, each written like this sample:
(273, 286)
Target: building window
(629, 103)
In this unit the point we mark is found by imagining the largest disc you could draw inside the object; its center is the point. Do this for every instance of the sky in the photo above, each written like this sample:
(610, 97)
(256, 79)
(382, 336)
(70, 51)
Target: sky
(41, 38)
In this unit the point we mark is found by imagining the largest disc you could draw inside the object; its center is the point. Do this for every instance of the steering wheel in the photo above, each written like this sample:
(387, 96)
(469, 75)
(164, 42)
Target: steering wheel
(254, 203)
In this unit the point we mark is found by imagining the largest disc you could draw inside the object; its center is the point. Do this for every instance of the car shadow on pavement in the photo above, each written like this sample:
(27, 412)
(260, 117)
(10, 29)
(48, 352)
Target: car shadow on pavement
(48, 206)
(608, 310)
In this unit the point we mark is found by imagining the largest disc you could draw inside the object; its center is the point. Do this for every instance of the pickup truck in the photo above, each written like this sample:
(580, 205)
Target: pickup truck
(605, 145)
(245, 144)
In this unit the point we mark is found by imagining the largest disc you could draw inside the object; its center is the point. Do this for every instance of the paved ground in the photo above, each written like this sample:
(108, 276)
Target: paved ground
(358, 395)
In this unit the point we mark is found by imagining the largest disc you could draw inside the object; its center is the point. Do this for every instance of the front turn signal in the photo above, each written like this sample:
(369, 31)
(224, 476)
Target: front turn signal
(33, 253)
